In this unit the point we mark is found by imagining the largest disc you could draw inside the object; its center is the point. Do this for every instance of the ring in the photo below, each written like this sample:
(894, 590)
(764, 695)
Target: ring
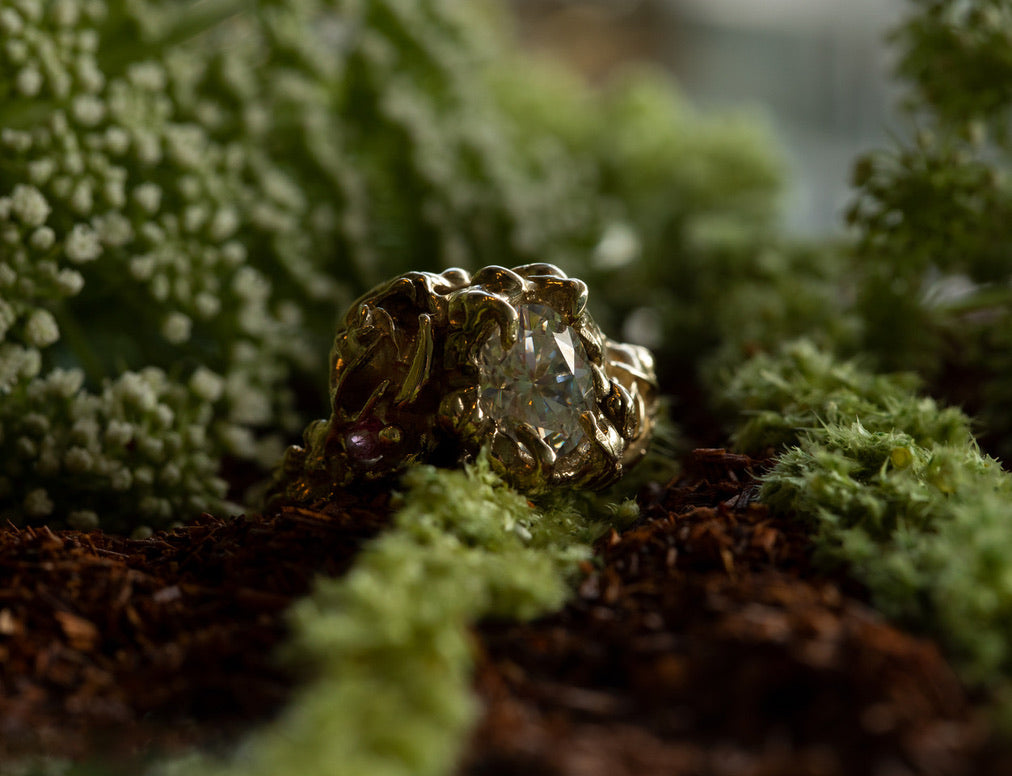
(434, 367)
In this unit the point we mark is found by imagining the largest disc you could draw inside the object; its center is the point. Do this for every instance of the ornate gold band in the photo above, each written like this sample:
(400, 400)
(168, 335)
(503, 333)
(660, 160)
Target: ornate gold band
(432, 367)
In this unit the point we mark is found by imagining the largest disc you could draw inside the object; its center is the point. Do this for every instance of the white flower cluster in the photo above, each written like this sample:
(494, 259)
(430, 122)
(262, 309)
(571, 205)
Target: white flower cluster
(73, 457)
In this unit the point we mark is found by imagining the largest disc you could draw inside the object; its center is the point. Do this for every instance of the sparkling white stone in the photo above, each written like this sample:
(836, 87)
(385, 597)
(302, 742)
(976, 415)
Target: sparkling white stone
(544, 379)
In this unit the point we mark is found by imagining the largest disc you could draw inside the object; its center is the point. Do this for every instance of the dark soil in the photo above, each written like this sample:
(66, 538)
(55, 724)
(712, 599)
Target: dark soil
(706, 643)
(113, 647)
(701, 641)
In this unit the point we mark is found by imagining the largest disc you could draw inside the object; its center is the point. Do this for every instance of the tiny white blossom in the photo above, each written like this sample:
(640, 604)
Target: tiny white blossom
(207, 305)
(78, 460)
(114, 192)
(35, 423)
(41, 329)
(88, 75)
(164, 416)
(65, 12)
(117, 140)
(250, 284)
(10, 22)
(41, 170)
(66, 382)
(27, 448)
(88, 110)
(233, 253)
(82, 200)
(114, 229)
(136, 391)
(85, 431)
(194, 217)
(120, 479)
(148, 146)
(70, 281)
(29, 81)
(83, 520)
(83, 244)
(42, 239)
(152, 447)
(224, 224)
(147, 75)
(206, 384)
(148, 196)
(17, 50)
(119, 432)
(37, 503)
(16, 140)
(29, 205)
(176, 328)
(151, 506)
(87, 40)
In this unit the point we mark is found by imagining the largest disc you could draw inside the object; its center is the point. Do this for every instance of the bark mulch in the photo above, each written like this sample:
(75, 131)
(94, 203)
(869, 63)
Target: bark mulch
(112, 646)
(705, 643)
(701, 641)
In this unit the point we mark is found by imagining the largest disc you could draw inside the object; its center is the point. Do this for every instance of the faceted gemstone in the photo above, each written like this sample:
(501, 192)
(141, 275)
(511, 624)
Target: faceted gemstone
(544, 379)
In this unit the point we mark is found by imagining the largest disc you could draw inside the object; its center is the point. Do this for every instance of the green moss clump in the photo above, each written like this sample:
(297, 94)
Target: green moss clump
(897, 491)
(802, 390)
(388, 643)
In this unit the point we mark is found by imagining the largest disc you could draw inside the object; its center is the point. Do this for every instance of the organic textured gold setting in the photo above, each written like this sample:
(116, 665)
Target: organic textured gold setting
(432, 367)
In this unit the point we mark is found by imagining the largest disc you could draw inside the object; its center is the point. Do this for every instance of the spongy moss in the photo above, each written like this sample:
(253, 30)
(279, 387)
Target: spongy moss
(389, 643)
(896, 491)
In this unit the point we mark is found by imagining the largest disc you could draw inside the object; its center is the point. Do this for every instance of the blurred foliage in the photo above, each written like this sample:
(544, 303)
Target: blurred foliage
(687, 203)
(934, 215)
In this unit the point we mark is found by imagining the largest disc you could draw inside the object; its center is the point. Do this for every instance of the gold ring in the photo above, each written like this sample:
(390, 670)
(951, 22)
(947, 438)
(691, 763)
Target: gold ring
(434, 367)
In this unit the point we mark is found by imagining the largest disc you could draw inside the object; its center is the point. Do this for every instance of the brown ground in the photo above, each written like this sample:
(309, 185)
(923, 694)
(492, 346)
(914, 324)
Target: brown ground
(702, 642)
(116, 646)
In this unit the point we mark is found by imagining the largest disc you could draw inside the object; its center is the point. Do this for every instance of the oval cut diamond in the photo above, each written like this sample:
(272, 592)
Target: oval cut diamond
(544, 379)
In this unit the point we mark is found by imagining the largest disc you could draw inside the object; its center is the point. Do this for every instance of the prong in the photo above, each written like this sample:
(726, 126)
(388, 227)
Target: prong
(410, 288)
(591, 338)
(450, 280)
(421, 363)
(539, 269)
(619, 408)
(566, 295)
(604, 435)
(475, 309)
(602, 385)
(369, 402)
(514, 458)
(459, 408)
(634, 360)
(499, 280)
(532, 440)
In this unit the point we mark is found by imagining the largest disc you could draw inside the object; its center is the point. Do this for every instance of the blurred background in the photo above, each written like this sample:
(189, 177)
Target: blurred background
(816, 70)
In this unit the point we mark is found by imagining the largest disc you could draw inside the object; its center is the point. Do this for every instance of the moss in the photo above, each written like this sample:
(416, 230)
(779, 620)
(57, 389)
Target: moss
(801, 389)
(388, 645)
(896, 491)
